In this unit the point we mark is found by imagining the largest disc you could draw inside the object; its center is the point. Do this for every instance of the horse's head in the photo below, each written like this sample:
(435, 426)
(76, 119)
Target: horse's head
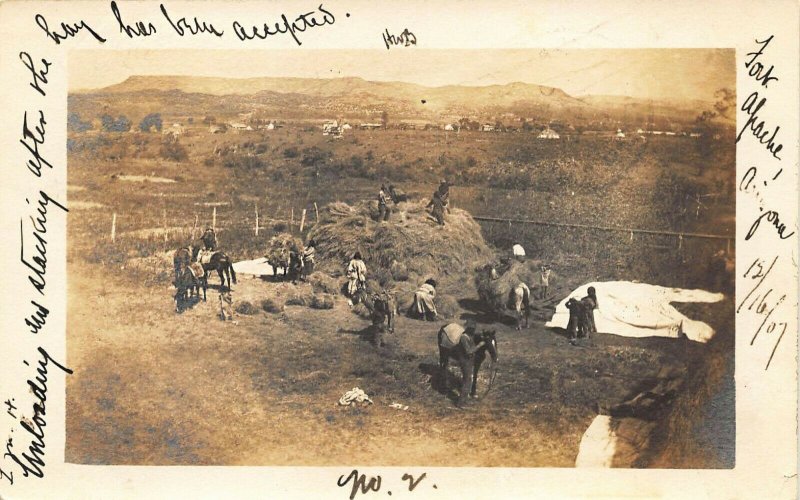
(490, 339)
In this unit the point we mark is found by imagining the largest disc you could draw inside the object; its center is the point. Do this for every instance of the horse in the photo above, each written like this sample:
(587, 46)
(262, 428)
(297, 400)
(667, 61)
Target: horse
(188, 280)
(219, 262)
(519, 300)
(470, 363)
(382, 308)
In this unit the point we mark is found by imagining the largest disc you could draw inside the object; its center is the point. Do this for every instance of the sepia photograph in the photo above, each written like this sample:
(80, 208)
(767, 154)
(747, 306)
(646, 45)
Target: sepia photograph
(445, 257)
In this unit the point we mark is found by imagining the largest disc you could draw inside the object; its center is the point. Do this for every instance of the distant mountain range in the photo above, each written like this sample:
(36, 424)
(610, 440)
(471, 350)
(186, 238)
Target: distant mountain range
(352, 96)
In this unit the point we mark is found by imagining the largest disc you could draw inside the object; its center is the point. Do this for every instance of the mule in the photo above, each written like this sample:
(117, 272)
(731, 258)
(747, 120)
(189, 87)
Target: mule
(219, 262)
(469, 362)
(188, 280)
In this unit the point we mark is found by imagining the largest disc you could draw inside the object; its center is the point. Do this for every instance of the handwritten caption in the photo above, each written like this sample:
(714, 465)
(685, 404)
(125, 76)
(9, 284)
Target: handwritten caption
(361, 483)
(24, 451)
(763, 296)
(186, 25)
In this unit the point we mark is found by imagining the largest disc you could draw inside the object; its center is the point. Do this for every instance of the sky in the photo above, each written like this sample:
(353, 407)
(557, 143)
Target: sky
(644, 73)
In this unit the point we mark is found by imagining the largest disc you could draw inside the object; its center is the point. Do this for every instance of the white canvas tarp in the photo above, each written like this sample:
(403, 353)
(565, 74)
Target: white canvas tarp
(257, 267)
(640, 310)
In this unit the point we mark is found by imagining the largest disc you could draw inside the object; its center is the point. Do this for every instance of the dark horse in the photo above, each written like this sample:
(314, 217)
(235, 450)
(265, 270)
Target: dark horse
(469, 355)
(382, 308)
(219, 262)
(188, 280)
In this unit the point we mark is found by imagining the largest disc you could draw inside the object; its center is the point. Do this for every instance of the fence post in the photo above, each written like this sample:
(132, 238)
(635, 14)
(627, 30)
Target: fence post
(214, 220)
(291, 221)
(113, 227)
(256, 207)
(194, 229)
(316, 211)
(303, 220)
(164, 216)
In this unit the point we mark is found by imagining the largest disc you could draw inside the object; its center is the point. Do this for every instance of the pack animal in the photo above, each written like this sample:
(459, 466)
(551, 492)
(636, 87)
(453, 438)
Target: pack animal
(469, 355)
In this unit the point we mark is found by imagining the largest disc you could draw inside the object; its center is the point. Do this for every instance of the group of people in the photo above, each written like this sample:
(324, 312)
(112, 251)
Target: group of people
(581, 316)
(390, 196)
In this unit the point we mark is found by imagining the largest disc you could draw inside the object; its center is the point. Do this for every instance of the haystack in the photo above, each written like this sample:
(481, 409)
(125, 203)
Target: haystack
(410, 243)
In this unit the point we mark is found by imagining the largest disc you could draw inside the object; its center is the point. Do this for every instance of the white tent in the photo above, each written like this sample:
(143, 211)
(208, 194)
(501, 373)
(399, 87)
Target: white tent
(640, 310)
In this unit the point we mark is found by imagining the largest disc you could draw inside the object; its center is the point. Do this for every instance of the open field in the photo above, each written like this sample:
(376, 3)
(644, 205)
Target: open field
(153, 387)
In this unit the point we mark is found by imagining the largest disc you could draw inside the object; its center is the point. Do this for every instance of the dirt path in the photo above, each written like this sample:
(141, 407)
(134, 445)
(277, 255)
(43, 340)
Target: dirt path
(153, 387)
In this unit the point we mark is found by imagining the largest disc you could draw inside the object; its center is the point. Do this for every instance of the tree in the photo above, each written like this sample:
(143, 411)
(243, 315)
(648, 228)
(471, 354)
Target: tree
(75, 124)
(384, 119)
(121, 124)
(153, 120)
(172, 150)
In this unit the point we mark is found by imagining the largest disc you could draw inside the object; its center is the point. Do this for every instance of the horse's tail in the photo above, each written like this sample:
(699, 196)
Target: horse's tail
(233, 273)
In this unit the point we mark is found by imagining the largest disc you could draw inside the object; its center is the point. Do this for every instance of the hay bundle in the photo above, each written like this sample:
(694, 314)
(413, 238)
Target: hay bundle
(278, 249)
(410, 238)
(495, 293)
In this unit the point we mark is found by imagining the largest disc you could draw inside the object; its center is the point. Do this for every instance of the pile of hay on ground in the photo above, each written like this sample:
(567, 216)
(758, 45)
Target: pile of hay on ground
(410, 243)
(278, 248)
(496, 293)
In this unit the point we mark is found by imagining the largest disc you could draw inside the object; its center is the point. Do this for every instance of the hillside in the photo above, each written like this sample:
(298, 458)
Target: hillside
(291, 98)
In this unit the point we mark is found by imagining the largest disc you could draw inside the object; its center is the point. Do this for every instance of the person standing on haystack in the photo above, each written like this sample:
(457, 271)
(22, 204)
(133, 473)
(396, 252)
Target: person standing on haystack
(423, 300)
(544, 281)
(383, 204)
(438, 208)
(309, 254)
(444, 192)
(356, 275)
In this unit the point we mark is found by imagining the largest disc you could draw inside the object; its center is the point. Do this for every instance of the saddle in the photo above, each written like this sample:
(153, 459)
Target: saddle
(204, 256)
(452, 335)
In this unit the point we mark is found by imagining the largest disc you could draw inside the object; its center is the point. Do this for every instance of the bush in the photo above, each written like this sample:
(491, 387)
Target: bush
(121, 124)
(300, 299)
(173, 151)
(322, 301)
(246, 308)
(291, 152)
(272, 306)
(153, 120)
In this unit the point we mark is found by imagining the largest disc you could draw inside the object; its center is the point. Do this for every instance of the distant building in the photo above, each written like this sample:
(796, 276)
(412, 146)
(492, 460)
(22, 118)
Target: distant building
(548, 133)
(486, 127)
(239, 127)
(216, 129)
(449, 127)
(669, 133)
(370, 126)
(620, 134)
(332, 128)
(346, 126)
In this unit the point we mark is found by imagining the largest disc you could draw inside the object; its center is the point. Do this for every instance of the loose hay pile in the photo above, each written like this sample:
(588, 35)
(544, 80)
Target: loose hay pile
(496, 293)
(409, 244)
(278, 249)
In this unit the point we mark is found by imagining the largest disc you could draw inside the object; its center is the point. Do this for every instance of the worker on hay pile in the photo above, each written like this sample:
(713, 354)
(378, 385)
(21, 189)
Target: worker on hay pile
(544, 281)
(440, 202)
(423, 306)
(356, 275)
(309, 254)
(384, 210)
(518, 252)
(520, 302)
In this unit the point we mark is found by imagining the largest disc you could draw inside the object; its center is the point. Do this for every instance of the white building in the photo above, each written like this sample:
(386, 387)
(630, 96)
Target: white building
(548, 133)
